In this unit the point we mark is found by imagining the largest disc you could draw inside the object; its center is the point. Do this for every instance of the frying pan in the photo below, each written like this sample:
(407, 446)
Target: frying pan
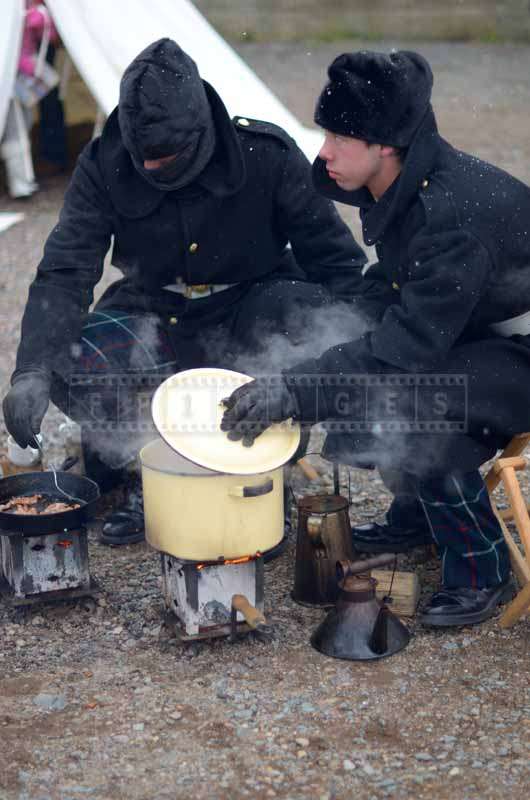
(29, 483)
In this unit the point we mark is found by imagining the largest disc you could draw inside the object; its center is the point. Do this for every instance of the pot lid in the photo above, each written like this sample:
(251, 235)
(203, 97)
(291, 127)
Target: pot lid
(187, 410)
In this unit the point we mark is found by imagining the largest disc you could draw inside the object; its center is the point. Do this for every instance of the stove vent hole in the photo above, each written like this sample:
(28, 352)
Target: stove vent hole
(52, 578)
(38, 547)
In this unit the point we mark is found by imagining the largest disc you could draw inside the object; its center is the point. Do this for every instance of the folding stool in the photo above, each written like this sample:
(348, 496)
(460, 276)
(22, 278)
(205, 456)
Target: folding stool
(504, 471)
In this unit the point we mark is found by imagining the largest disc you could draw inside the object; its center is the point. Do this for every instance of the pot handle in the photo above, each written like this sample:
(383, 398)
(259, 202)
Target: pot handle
(252, 491)
(252, 616)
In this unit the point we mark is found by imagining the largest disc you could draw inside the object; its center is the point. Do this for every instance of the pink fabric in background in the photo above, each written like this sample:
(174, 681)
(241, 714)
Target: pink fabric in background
(36, 20)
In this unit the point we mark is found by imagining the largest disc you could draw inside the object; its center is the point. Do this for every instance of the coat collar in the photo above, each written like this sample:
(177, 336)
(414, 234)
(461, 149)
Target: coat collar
(133, 197)
(377, 216)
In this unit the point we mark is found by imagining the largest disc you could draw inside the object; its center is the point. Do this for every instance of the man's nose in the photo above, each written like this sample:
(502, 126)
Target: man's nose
(324, 152)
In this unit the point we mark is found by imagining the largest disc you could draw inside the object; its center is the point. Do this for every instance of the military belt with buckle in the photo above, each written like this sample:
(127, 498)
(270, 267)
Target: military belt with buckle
(195, 291)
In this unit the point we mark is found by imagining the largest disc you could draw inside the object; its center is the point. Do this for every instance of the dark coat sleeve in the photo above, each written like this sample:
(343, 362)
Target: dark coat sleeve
(375, 294)
(72, 264)
(449, 273)
(322, 244)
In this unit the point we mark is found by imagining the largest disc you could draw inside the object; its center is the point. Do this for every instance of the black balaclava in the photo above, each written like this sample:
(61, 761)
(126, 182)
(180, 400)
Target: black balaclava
(163, 111)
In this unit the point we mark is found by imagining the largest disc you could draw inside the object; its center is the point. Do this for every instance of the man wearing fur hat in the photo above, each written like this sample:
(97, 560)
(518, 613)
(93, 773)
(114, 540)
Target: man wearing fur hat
(442, 380)
(221, 239)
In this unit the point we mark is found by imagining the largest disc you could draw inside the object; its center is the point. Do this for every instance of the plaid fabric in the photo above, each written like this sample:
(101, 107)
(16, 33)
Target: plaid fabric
(466, 531)
(114, 341)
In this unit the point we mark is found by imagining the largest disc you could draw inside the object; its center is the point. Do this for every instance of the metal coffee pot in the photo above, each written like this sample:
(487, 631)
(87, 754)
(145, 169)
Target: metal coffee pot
(324, 537)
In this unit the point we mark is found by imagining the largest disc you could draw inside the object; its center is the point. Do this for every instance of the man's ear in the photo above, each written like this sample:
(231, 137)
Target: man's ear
(388, 151)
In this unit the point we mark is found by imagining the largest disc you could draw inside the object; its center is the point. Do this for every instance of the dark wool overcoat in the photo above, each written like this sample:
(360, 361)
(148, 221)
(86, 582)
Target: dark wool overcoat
(252, 215)
(452, 236)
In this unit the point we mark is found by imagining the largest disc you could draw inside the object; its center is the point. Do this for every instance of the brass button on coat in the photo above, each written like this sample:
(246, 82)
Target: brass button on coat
(244, 122)
(424, 183)
(173, 320)
(395, 285)
(194, 247)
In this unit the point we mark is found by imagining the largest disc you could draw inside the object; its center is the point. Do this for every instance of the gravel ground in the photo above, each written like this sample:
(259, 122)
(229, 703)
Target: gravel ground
(96, 699)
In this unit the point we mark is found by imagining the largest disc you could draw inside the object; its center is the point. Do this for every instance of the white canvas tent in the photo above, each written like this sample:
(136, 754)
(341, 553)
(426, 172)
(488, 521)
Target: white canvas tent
(10, 40)
(14, 142)
(103, 37)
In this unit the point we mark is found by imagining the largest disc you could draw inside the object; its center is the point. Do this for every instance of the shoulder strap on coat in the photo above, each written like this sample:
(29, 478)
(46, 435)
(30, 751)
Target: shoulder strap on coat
(261, 128)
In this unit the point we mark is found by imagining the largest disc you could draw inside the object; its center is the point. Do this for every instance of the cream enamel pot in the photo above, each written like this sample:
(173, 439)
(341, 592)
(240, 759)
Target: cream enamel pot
(197, 514)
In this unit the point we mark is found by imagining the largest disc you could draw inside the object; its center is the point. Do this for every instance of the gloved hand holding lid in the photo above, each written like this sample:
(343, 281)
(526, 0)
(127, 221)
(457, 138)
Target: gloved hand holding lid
(187, 411)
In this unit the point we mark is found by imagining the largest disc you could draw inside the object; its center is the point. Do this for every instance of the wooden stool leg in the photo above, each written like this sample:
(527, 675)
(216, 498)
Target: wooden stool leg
(504, 470)
(520, 514)
(520, 566)
(516, 608)
(516, 446)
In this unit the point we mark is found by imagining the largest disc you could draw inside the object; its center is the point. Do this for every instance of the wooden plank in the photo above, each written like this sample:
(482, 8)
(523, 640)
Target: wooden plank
(405, 590)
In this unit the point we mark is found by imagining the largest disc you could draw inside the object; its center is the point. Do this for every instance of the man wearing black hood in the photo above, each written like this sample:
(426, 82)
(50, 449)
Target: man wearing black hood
(442, 381)
(220, 237)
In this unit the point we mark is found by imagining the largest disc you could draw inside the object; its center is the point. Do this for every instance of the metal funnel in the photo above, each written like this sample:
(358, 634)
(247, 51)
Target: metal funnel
(359, 628)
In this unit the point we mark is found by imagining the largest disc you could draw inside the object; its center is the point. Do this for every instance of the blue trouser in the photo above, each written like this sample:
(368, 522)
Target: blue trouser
(457, 510)
(466, 531)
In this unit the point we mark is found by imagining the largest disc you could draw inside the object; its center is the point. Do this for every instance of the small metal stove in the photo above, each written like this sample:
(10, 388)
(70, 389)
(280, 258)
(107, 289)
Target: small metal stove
(50, 566)
(213, 598)
(44, 556)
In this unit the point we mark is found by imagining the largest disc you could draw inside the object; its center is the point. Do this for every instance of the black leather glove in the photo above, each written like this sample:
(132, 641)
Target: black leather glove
(255, 406)
(25, 405)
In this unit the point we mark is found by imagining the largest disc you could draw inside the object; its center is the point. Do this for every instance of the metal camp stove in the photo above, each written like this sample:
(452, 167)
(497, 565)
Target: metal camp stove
(44, 555)
(214, 598)
(51, 566)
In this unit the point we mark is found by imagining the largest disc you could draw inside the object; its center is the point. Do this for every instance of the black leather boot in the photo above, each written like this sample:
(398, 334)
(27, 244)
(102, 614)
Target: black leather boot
(406, 525)
(375, 538)
(126, 524)
(464, 606)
